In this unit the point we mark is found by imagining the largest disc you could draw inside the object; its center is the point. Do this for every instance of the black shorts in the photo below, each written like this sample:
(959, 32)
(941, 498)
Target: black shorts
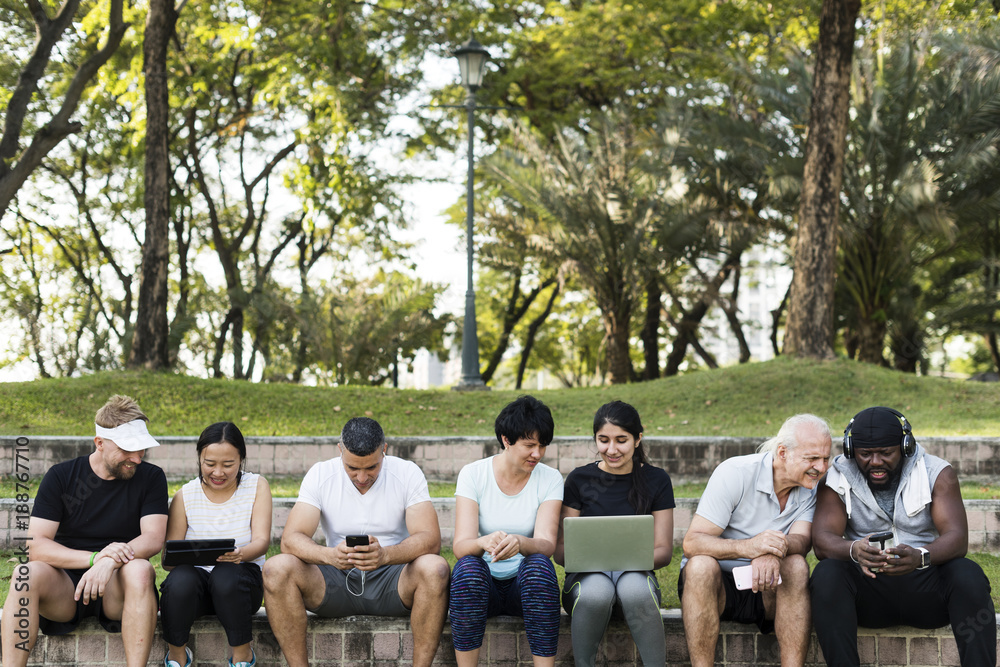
(92, 608)
(741, 606)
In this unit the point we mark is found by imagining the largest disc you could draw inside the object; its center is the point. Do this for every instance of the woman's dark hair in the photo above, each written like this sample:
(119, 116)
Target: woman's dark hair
(223, 432)
(524, 417)
(625, 417)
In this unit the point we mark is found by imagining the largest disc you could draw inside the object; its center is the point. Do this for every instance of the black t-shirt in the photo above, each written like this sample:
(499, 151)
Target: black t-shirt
(598, 493)
(94, 512)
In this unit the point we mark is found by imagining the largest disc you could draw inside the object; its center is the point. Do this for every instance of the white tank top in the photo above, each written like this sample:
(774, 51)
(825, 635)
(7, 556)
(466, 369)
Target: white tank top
(207, 520)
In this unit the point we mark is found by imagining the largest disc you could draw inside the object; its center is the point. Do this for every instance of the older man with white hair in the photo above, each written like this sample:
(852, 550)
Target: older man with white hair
(95, 523)
(755, 514)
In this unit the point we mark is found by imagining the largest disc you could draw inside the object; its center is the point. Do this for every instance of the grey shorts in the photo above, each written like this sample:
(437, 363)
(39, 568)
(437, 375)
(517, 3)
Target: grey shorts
(354, 592)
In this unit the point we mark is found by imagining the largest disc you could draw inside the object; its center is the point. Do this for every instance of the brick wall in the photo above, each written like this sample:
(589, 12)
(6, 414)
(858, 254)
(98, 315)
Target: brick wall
(687, 459)
(365, 641)
(984, 521)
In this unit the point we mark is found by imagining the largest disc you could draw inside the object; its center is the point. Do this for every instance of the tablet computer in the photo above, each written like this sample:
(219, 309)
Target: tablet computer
(196, 552)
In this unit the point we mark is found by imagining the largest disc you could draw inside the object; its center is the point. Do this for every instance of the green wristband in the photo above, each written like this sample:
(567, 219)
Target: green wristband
(92, 557)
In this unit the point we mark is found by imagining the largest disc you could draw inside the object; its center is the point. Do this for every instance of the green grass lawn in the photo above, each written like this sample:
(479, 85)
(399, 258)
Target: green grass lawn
(751, 400)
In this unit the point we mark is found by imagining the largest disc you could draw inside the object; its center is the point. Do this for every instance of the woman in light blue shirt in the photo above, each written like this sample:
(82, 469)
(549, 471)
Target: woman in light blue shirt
(506, 522)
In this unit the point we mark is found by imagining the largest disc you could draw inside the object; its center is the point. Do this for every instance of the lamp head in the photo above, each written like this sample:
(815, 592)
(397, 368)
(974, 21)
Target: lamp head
(472, 57)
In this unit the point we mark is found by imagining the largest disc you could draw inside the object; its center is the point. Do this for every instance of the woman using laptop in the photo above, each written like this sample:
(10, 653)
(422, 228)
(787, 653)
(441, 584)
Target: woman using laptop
(223, 501)
(622, 483)
(506, 520)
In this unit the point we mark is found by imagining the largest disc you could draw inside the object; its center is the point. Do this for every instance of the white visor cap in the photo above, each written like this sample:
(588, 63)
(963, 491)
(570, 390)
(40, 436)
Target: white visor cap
(131, 436)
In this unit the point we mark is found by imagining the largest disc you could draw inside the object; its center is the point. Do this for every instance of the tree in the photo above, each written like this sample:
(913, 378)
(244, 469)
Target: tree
(809, 327)
(962, 289)
(895, 221)
(592, 204)
(16, 165)
(150, 341)
(373, 325)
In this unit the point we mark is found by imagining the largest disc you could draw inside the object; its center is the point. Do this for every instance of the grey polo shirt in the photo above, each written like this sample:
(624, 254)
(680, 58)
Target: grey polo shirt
(740, 499)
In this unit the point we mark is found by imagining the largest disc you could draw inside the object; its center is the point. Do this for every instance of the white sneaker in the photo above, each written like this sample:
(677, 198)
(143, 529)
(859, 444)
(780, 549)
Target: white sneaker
(252, 663)
(167, 662)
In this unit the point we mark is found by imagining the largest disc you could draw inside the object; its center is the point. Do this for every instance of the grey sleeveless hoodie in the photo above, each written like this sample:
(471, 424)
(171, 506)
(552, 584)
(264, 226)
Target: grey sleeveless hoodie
(913, 524)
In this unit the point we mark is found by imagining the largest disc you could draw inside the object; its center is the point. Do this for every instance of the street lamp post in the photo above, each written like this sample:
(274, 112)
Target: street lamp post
(472, 59)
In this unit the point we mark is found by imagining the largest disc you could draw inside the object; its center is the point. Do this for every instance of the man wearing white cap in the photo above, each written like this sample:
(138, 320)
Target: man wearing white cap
(96, 521)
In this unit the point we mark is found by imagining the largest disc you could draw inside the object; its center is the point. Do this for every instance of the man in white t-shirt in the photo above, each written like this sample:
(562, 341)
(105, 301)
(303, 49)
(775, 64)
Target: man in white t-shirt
(380, 501)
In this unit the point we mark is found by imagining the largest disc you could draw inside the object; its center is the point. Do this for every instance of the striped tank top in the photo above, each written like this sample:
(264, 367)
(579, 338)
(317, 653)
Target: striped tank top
(207, 520)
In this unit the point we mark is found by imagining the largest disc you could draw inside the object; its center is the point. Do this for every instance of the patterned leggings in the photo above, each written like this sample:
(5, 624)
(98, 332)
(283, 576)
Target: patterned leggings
(476, 596)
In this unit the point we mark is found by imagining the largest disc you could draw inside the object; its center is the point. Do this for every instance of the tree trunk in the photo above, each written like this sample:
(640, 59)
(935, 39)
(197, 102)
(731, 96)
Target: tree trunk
(776, 321)
(686, 329)
(238, 373)
(512, 315)
(181, 322)
(851, 343)
(705, 355)
(907, 345)
(150, 347)
(729, 308)
(809, 328)
(992, 280)
(651, 329)
(616, 334)
(991, 344)
(529, 338)
(871, 341)
(220, 343)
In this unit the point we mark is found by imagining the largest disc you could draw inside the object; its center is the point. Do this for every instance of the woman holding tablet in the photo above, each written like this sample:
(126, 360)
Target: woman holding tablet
(223, 501)
(622, 483)
(506, 521)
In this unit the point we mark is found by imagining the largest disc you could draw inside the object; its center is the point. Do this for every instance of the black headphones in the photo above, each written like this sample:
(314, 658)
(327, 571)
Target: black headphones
(908, 445)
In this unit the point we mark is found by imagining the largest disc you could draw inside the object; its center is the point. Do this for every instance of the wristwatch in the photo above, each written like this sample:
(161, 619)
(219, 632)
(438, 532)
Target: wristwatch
(925, 558)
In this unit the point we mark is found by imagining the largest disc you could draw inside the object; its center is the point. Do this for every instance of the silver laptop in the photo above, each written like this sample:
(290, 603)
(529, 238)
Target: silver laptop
(608, 543)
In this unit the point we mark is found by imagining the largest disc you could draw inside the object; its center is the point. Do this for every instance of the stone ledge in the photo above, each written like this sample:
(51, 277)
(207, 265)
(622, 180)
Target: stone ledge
(369, 641)
(686, 458)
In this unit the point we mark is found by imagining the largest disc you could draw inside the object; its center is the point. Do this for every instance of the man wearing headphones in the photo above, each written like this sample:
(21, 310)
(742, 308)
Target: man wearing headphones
(891, 534)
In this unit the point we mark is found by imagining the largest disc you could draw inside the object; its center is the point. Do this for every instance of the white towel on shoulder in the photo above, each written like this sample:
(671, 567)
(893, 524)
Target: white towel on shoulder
(839, 483)
(916, 492)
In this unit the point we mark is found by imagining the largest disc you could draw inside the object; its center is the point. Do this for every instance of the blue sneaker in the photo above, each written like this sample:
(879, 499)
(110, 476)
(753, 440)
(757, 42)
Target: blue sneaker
(252, 663)
(167, 662)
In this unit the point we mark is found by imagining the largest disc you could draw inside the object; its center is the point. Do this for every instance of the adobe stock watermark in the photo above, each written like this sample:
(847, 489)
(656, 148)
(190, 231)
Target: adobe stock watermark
(22, 513)
(968, 628)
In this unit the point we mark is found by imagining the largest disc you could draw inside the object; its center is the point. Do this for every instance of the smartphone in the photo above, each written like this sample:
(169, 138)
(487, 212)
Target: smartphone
(356, 540)
(884, 539)
(744, 577)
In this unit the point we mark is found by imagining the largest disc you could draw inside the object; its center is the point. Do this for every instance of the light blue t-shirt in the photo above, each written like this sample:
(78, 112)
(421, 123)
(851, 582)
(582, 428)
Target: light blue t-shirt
(511, 514)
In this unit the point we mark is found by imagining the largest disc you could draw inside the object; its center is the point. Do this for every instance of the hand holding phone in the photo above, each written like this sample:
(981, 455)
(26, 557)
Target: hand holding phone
(356, 540)
(743, 575)
(885, 539)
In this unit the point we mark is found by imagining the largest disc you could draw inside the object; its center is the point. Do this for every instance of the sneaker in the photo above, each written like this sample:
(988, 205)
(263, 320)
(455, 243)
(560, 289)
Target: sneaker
(252, 663)
(167, 662)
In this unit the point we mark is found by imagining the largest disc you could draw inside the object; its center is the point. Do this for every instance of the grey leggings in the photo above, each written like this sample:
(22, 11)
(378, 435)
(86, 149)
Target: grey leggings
(589, 597)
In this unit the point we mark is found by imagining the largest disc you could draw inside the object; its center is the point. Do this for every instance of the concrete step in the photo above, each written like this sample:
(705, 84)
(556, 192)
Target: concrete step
(368, 641)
